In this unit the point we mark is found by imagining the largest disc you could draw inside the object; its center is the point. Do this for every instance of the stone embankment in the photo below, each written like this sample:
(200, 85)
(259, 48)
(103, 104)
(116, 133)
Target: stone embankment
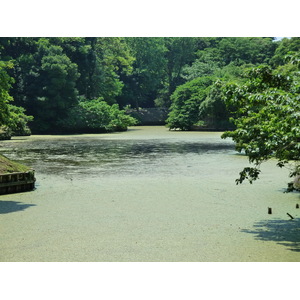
(15, 177)
(17, 182)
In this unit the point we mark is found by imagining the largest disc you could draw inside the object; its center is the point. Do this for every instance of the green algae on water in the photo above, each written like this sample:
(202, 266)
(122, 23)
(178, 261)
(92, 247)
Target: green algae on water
(8, 166)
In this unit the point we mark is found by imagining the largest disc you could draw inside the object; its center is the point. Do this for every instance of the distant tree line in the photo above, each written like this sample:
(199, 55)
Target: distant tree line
(56, 85)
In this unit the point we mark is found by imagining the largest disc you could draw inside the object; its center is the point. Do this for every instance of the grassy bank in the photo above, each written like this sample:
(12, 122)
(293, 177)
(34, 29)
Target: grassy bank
(8, 166)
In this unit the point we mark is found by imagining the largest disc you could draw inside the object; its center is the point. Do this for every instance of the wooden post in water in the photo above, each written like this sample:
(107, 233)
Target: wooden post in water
(269, 210)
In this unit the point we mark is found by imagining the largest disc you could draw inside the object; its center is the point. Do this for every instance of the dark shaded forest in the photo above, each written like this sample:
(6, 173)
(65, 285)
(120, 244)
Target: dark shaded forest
(77, 84)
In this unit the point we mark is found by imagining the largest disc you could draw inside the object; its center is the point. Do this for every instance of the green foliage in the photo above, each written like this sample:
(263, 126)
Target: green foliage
(232, 72)
(209, 107)
(5, 85)
(114, 58)
(255, 50)
(96, 116)
(56, 82)
(186, 101)
(285, 46)
(100, 62)
(45, 81)
(208, 62)
(180, 52)
(200, 69)
(142, 85)
(13, 120)
(225, 59)
(213, 109)
(51, 74)
(235, 51)
(18, 121)
(266, 115)
(5, 133)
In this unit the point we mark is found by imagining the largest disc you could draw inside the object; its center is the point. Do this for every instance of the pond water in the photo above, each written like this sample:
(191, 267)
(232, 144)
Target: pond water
(147, 194)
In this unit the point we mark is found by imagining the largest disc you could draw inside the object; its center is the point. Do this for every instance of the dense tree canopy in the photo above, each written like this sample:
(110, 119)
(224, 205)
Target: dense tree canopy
(141, 86)
(285, 47)
(54, 75)
(13, 120)
(5, 98)
(224, 59)
(52, 78)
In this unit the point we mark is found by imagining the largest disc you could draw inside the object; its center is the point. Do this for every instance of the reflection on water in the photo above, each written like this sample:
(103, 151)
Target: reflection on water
(102, 156)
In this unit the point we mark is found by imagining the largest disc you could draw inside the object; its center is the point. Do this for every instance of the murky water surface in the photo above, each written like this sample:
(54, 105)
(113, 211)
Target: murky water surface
(106, 155)
(147, 194)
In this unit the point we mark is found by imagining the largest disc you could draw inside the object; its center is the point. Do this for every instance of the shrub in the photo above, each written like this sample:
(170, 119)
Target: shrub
(97, 116)
(186, 101)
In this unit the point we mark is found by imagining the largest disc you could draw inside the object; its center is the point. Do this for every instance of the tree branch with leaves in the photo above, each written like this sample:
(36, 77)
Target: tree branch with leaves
(266, 113)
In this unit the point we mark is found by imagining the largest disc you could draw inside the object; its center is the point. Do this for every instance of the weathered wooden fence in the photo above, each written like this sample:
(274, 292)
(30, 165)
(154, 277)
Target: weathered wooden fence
(17, 182)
